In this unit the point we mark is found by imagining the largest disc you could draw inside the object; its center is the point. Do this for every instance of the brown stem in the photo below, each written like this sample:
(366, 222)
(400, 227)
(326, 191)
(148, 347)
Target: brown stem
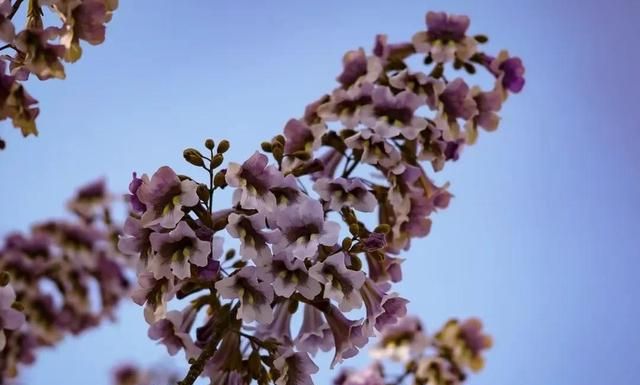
(14, 9)
(198, 366)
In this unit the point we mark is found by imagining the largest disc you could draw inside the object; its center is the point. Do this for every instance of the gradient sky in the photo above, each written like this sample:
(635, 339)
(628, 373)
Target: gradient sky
(541, 240)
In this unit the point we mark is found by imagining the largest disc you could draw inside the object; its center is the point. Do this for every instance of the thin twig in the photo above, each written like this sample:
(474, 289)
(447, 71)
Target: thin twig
(14, 9)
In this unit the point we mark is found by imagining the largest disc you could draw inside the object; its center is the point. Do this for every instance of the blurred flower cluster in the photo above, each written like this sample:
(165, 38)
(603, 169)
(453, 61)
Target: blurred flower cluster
(129, 374)
(64, 277)
(319, 217)
(445, 358)
(40, 50)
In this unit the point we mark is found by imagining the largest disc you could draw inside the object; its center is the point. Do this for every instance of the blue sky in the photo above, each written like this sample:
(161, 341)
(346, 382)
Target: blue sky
(541, 240)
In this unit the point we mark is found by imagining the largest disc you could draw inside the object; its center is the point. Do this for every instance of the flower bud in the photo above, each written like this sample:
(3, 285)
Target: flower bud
(193, 156)
(278, 151)
(382, 228)
(266, 146)
(217, 160)
(356, 263)
(354, 228)
(223, 146)
(230, 254)
(280, 139)
(481, 38)
(203, 192)
(219, 179)
(346, 243)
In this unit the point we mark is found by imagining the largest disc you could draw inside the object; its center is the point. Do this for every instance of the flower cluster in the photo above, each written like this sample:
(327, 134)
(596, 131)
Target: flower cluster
(128, 374)
(310, 251)
(66, 276)
(445, 358)
(41, 50)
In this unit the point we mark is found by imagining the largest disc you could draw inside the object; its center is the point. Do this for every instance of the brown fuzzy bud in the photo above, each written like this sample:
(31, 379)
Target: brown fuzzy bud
(383, 228)
(346, 243)
(280, 139)
(209, 144)
(223, 146)
(217, 160)
(219, 179)
(230, 254)
(203, 192)
(278, 151)
(356, 263)
(193, 156)
(266, 146)
(354, 228)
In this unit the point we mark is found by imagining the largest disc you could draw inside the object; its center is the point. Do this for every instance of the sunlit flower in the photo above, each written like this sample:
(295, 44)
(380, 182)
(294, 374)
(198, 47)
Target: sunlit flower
(254, 240)
(348, 335)
(10, 318)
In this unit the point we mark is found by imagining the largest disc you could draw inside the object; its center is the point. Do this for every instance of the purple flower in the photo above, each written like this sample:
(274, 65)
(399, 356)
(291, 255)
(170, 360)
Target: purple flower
(153, 294)
(89, 200)
(466, 341)
(280, 328)
(487, 103)
(346, 105)
(508, 70)
(401, 341)
(330, 161)
(341, 284)
(252, 181)
(357, 69)
(7, 30)
(42, 58)
(382, 309)
(391, 52)
(372, 375)
(286, 191)
(168, 331)
(445, 38)
(348, 335)
(343, 192)
(289, 276)
(391, 115)
(176, 250)
(314, 333)
(84, 21)
(132, 198)
(303, 228)
(295, 368)
(135, 241)
(426, 87)
(375, 241)
(254, 241)
(301, 137)
(10, 318)
(457, 101)
(384, 269)
(165, 195)
(255, 296)
(376, 150)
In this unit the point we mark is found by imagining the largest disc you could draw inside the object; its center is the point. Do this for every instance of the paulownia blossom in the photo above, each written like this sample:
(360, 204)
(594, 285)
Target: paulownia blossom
(41, 50)
(308, 254)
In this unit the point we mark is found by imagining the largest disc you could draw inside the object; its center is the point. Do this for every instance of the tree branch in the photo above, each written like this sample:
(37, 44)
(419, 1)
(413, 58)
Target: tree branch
(15, 8)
